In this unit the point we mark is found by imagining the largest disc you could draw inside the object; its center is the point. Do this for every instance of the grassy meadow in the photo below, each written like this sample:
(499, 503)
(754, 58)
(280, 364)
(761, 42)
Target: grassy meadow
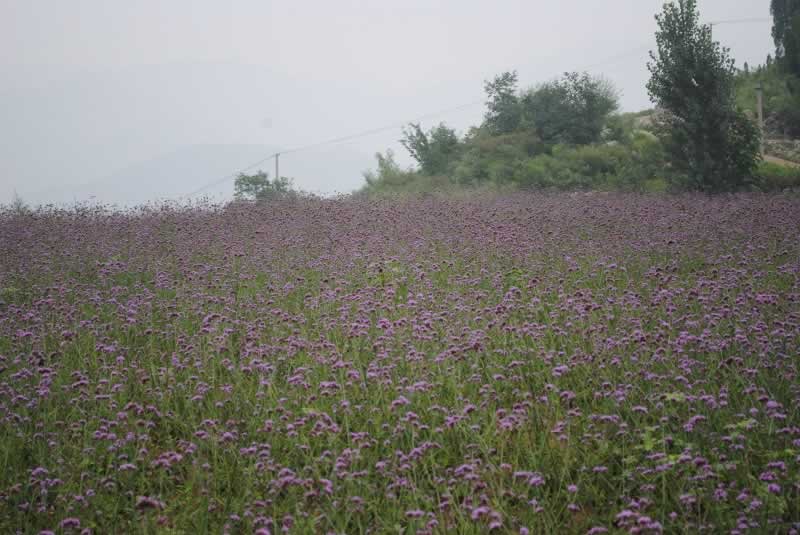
(549, 363)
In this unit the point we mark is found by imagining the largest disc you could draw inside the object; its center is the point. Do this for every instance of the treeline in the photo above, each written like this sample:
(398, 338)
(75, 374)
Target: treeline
(568, 134)
(562, 134)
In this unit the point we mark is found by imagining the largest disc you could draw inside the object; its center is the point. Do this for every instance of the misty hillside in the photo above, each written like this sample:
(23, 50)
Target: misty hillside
(176, 174)
(181, 125)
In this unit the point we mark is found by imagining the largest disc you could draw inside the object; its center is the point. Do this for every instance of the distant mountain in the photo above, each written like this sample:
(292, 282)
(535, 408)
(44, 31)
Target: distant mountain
(174, 175)
(141, 133)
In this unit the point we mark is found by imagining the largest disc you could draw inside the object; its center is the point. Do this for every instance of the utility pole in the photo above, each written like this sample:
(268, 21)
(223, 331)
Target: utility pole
(277, 168)
(760, 104)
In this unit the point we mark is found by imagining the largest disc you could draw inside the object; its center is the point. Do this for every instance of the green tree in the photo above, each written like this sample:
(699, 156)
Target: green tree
(259, 187)
(572, 110)
(781, 98)
(786, 33)
(18, 205)
(711, 146)
(503, 110)
(433, 150)
(388, 172)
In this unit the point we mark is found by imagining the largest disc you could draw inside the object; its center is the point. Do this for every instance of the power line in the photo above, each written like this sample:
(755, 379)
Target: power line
(381, 129)
(333, 141)
(230, 176)
(386, 128)
(624, 55)
(740, 21)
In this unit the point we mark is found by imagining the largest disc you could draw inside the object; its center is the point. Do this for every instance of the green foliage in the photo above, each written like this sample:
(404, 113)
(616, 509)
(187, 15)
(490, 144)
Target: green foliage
(786, 33)
(329, 366)
(619, 127)
(434, 150)
(389, 177)
(571, 110)
(787, 115)
(712, 147)
(513, 160)
(568, 168)
(566, 134)
(646, 168)
(18, 205)
(494, 159)
(628, 158)
(777, 177)
(781, 93)
(503, 105)
(259, 187)
(634, 167)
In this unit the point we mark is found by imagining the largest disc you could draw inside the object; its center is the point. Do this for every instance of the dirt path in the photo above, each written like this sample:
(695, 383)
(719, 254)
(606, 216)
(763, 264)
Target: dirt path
(780, 161)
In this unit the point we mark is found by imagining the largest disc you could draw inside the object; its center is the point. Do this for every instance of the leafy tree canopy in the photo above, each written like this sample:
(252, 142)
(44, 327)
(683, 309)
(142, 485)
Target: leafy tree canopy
(433, 150)
(711, 145)
(259, 187)
(572, 110)
(786, 33)
(502, 105)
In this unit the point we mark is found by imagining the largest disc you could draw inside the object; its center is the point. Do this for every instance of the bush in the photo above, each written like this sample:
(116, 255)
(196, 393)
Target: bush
(259, 187)
(602, 167)
(777, 177)
(573, 109)
(493, 158)
(390, 178)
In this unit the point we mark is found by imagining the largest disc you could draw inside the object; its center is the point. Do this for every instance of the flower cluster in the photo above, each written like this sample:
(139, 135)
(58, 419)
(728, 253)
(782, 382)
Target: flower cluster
(527, 364)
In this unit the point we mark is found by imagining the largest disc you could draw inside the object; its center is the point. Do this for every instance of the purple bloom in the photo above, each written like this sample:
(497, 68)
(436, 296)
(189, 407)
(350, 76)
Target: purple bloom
(478, 512)
(146, 502)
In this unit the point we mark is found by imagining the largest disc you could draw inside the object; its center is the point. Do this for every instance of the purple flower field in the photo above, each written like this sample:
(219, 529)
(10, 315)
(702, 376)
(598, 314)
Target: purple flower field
(527, 364)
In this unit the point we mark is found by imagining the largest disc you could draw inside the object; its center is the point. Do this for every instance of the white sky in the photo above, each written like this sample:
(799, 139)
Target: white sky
(91, 88)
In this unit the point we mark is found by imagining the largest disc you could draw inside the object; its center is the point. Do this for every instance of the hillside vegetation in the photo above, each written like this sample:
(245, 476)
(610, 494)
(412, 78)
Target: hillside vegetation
(567, 133)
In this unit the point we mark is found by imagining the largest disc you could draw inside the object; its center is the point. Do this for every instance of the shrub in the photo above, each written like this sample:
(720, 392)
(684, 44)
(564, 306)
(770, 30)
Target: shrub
(603, 167)
(777, 177)
(259, 187)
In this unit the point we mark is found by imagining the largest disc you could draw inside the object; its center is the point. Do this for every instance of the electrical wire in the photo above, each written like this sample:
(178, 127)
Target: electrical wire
(739, 21)
(624, 55)
(393, 126)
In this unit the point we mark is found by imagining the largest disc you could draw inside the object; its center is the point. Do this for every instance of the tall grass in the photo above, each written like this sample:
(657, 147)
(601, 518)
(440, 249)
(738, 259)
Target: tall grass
(526, 363)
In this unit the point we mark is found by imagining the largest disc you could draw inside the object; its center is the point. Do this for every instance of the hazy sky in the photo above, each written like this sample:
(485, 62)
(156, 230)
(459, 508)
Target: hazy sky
(93, 92)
